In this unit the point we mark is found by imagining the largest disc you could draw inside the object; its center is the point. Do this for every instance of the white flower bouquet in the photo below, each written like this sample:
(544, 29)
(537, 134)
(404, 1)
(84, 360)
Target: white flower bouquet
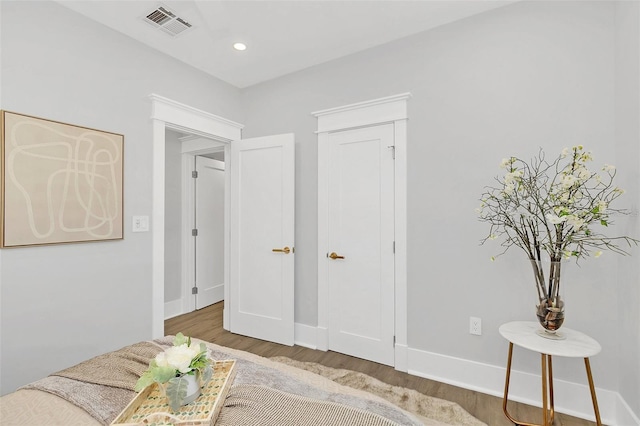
(171, 367)
(557, 208)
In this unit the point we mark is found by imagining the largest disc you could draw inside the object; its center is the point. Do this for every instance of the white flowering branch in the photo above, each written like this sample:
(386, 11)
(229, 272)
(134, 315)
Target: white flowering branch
(554, 208)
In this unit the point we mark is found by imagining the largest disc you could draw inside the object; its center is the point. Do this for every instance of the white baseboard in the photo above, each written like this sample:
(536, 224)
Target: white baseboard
(402, 357)
(323, 339)
(172, 308)
(305, 335)
(570, 398)
(218, 293)
(625, 415)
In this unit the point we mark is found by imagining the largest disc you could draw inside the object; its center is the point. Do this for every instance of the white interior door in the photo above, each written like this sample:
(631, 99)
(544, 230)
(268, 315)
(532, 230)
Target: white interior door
(262, 238)
(360, 241)
(209, 242)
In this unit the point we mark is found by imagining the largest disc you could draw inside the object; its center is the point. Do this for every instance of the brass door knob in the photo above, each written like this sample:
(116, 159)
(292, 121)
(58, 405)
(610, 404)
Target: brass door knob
(335, 256)
(285, 250)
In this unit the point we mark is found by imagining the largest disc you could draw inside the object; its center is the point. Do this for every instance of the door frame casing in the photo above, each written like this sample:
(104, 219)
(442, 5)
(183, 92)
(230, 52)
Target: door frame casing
(391, 109)
(167, 113)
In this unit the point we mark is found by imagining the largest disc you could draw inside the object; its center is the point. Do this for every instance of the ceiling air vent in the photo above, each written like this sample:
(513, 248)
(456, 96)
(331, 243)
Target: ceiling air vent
(167, 21)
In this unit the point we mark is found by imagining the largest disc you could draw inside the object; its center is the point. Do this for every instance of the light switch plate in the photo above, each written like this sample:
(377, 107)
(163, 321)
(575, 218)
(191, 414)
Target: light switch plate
(140, 224)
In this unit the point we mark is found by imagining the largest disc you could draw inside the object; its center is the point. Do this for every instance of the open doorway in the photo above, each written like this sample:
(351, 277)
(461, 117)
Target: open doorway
(169, 114)
(194, 222)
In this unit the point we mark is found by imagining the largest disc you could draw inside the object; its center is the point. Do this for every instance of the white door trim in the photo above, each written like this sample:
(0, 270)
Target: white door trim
(391, 109)
(367, 113)
(166, 113)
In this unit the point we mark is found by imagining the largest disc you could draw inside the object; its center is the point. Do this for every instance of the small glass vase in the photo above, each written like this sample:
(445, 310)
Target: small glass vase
(550, 314)
(550, 308)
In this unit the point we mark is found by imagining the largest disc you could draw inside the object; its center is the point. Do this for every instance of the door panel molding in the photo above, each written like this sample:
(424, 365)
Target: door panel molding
(391, 109)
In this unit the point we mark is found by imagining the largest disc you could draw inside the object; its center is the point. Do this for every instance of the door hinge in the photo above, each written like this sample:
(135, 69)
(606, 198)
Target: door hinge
(394, 247)
(194, 232)
(194, 174)
(394, 340)
(393, 151)
(194, 290)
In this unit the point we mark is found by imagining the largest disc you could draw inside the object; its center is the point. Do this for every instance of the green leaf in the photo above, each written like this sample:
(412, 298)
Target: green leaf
(176, 392)
(199, 363)
(206, 374)
(603, 222)
(145, 380)
(163, 374)
(180, 339)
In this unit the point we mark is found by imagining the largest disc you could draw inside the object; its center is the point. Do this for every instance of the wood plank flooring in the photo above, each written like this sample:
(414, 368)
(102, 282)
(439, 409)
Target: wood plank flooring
(206, 324)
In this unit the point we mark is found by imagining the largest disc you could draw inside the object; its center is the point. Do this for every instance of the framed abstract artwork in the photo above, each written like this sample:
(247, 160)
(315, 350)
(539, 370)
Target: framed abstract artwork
(60, 183)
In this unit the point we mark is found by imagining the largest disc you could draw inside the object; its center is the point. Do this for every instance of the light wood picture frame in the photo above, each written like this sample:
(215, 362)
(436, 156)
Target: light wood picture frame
(60, 183)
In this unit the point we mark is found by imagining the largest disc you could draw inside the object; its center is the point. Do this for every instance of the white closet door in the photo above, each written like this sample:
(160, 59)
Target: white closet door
(361, 232)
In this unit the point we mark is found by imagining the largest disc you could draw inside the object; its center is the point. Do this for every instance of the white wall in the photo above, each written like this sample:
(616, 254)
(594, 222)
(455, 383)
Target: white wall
(63, 304)
(628, 159)
(173, 218)
(529, 75)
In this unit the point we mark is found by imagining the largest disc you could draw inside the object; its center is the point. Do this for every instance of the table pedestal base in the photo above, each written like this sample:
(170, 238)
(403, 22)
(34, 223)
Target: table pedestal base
(548, 411)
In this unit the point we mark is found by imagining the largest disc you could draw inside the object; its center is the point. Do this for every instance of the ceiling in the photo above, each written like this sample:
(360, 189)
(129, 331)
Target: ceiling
(282, 36)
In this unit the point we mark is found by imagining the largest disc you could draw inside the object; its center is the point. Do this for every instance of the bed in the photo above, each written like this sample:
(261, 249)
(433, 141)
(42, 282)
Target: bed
(263, 393)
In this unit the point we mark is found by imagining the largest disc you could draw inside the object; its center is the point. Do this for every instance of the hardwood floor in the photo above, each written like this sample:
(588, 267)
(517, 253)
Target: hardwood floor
(206, 324)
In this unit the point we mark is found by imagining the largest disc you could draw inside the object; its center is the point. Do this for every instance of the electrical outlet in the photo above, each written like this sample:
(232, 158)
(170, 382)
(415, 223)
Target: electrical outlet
(475, 326)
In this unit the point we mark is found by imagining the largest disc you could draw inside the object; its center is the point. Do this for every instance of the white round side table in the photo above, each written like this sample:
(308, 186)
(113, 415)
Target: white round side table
(574, 345)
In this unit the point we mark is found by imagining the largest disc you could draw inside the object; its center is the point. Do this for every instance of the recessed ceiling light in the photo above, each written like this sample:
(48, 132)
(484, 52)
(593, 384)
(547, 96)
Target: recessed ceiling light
(239, 46)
